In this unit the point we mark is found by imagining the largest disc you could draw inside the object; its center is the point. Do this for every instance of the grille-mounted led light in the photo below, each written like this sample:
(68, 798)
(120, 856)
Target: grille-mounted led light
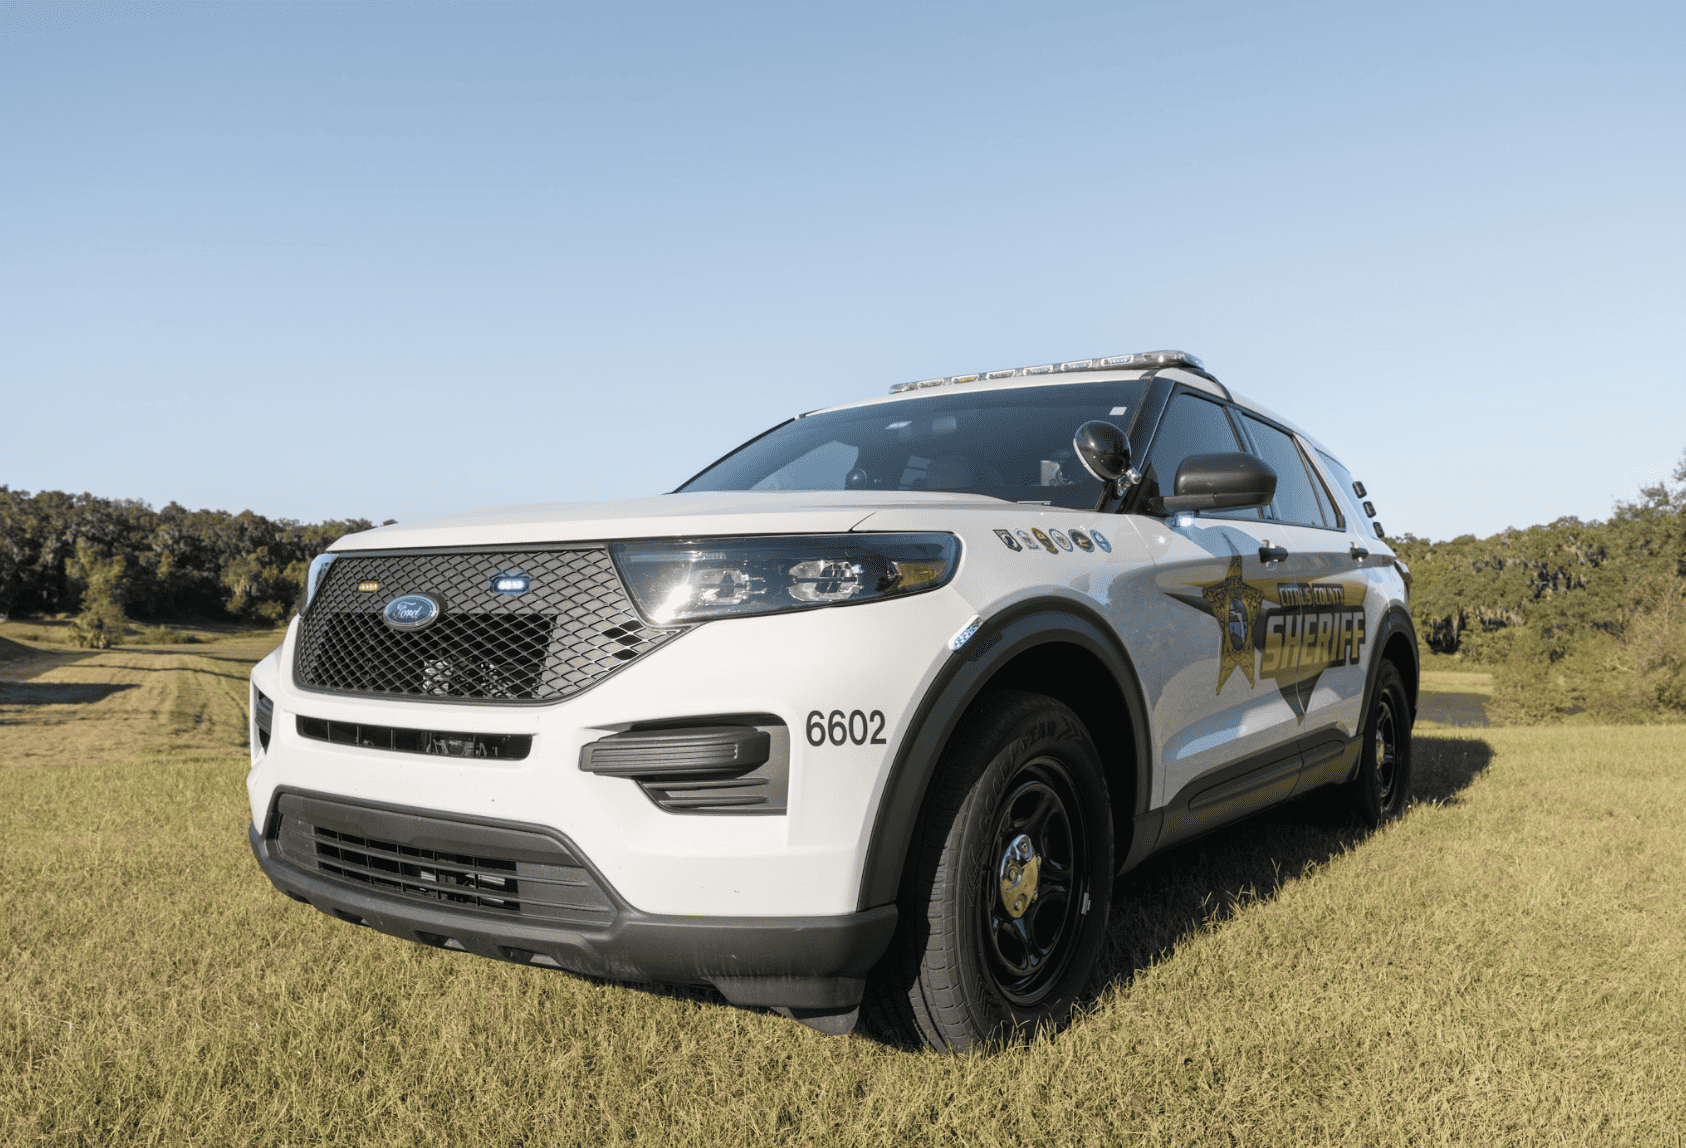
(1140, 361)
(512, 582)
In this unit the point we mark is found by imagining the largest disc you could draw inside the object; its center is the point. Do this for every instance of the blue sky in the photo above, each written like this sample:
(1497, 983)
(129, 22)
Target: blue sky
(325, 260)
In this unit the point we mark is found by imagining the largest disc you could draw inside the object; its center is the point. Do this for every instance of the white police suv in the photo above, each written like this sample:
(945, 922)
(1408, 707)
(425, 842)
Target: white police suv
(876, 706)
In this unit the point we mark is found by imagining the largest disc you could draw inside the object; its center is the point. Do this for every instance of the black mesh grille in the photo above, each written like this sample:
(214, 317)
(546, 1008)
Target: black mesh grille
(574, 627)
(417, 857)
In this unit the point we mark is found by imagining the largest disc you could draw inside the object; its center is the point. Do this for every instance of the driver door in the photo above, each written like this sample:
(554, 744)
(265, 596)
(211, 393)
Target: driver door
(1225, 729)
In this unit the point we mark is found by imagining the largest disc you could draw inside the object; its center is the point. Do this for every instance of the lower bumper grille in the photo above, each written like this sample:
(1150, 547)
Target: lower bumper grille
(511, 873)
(508, 747)
(452, 877)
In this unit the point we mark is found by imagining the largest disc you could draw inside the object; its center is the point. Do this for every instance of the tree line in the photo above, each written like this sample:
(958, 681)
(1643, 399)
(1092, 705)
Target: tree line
(109, 560)
(1572, 617)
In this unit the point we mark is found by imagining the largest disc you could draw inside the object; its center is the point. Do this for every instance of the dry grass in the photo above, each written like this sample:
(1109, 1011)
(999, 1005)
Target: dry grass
(1500, 967)
(1456, 681)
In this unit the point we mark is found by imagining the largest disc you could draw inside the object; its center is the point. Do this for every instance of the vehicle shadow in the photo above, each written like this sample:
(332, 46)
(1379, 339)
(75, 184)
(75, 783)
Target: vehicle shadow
(1199, 885)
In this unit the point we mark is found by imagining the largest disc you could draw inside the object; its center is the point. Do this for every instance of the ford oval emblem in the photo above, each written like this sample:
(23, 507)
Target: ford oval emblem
(412, 612)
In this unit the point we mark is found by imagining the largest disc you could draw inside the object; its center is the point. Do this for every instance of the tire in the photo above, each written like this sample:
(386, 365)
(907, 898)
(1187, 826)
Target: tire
(1008, 882)
(1379, 789)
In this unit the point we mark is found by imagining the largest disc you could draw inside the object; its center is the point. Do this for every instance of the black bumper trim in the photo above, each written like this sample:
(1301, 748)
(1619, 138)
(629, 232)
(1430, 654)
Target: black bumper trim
(816, 963)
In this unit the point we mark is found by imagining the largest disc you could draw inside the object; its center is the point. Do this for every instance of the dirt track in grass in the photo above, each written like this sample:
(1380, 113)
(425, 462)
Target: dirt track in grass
(62, 709)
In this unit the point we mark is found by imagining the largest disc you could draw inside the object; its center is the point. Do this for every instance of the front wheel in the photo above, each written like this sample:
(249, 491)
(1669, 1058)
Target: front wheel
(1005, 897)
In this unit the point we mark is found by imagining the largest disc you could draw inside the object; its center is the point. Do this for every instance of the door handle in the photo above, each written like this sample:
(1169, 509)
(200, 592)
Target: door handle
(1269, 553)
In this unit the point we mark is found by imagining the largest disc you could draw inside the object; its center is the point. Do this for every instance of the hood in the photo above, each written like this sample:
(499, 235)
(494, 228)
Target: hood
(662, 516)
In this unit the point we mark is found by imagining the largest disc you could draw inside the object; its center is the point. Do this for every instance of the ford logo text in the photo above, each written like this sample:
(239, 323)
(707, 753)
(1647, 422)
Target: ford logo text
(412, 612)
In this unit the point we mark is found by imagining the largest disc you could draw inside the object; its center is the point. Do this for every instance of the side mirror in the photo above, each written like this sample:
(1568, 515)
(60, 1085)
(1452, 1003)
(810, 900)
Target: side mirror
(1102, 449)
(1230, 481)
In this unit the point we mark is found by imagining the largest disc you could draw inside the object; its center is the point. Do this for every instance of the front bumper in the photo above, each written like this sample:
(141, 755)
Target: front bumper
(805, 860)
(813, 963)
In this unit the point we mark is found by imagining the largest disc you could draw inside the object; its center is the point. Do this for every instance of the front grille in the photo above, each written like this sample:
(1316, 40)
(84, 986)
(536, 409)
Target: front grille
(573, 628)
(417, 857)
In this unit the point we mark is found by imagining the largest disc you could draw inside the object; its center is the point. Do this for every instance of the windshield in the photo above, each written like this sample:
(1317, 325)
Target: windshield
(1013, 443)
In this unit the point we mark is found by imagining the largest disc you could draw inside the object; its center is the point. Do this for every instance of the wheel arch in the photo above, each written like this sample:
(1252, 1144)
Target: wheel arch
(1396, 641)
(1047, 646)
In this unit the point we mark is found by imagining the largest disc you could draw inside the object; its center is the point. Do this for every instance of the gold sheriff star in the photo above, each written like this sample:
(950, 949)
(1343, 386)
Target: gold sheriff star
(1236, 607)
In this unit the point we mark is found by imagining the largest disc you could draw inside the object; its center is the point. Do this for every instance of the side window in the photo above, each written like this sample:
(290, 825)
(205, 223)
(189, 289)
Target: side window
(1192, 425)
(1330, 504)
(1298, 500)
(1343, 480)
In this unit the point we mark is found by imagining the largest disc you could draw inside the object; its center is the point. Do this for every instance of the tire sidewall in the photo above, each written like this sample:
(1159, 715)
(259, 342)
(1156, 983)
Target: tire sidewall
(1053, 731)
(1389, 690)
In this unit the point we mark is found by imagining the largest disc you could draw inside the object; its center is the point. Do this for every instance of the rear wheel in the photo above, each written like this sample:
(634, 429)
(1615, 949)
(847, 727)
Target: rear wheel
(1378, 791)
(1005, 896)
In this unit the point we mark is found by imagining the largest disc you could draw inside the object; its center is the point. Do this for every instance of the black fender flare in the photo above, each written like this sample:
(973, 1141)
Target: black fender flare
(1396, 620)
(967, 672)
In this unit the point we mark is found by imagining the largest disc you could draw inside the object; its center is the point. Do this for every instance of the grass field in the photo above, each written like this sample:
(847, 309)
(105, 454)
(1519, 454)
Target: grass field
(1502, 966)
(1453, 697)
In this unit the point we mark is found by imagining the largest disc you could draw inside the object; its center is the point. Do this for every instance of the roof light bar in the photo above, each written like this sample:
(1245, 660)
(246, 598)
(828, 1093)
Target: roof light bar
(1143, 360)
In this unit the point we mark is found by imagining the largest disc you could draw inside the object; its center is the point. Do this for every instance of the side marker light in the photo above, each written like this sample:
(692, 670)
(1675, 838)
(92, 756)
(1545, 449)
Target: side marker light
(965, 634)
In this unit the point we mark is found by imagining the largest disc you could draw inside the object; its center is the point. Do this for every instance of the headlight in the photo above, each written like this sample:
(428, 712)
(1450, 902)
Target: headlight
(692, 581)
(313, 577)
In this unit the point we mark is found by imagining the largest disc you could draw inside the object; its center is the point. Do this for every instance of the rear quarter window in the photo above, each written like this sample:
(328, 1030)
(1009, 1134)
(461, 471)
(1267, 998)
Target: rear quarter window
(1344, 485)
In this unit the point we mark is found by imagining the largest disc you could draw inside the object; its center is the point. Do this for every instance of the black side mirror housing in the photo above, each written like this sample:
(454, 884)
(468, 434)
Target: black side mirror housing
(1102, 449)
(1229, 481)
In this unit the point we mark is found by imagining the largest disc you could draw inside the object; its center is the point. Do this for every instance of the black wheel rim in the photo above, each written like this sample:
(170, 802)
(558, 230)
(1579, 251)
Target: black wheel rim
(1034, 882)
(1386, 750)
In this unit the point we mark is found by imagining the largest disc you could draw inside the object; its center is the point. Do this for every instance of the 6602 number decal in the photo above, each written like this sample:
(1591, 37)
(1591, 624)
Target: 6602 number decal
(853, 728)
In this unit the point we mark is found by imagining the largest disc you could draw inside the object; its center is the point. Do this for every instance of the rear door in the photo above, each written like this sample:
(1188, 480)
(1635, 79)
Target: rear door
(1312, 633)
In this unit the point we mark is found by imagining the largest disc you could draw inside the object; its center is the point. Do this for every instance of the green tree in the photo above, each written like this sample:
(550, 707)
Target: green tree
(180, 563)
(259, 587)
(102, 623)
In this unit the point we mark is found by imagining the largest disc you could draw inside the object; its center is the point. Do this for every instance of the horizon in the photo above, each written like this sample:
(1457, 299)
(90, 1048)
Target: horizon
(378, 523)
